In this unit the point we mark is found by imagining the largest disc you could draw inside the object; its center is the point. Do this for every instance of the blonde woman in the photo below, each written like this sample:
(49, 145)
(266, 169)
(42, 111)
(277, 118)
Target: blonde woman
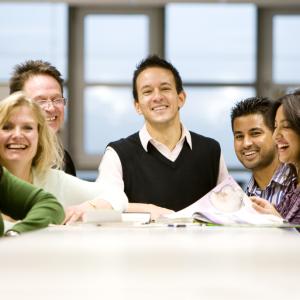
(31, 151)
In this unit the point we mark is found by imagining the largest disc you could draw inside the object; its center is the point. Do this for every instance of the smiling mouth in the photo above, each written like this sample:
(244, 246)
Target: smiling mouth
(49, 119)
(282, 147)
(16, 146)
(249, 153)
(159, 108)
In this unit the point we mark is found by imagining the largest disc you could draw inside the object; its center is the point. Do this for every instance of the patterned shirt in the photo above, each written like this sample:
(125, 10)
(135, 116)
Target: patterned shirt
(289, 207)
(283, 180)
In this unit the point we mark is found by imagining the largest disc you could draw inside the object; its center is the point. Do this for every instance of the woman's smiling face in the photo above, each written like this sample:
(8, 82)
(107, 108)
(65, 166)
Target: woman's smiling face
(19, 137)
(286, 138)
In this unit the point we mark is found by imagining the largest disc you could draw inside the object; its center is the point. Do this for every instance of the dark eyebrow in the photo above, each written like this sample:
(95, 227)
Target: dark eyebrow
(251, 130)
(237, 131)
(256, 128)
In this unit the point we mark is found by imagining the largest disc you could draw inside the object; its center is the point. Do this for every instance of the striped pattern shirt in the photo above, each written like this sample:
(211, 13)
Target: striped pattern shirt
(289, 207)
(283, 180)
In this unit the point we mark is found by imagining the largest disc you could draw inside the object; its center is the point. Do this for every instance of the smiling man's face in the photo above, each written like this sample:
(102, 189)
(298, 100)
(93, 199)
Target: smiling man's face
(158, 100)
(45, 87)
(253, 142)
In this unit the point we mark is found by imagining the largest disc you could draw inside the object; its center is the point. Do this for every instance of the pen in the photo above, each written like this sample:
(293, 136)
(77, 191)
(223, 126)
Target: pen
(177, 225)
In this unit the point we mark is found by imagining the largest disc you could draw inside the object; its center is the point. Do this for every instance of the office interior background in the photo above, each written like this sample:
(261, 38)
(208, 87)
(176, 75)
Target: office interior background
(225, 51)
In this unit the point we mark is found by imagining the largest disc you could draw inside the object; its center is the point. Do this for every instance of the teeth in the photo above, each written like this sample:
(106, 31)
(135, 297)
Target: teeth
(281, 146)
(16, 146)
(249, 153)
(51, 118)
(159, 108)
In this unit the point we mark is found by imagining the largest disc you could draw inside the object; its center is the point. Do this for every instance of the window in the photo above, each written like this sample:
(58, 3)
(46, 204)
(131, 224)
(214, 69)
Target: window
(214, 49)
(109, 115)
(212, 42)
(24, 35)
(213, 120)
(109, 61)
(286, 49)
(112, 46)
(218, 48)
(110, 43)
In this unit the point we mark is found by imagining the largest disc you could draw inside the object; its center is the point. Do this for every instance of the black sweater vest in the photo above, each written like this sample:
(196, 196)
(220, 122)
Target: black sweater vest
(149, 177)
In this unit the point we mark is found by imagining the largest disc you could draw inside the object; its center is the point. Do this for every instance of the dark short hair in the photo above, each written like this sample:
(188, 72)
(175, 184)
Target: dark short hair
(155, 61)
(291, 108)
(22, 72)
(253, 105)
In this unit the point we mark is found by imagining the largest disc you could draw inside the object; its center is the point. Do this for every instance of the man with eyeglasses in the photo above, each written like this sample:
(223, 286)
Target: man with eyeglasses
(43, 83)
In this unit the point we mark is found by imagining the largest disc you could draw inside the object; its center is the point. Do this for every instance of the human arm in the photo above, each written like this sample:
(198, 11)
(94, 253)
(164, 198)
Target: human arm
(76, 195)
(75, 213)
(70, 190)
(33, 206)
(111, 175)
(111, 184)
(263, 206)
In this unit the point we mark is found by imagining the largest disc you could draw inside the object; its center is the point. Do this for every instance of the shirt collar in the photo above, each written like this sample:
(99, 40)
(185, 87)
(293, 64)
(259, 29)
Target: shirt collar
(282, 176)
(145, 137)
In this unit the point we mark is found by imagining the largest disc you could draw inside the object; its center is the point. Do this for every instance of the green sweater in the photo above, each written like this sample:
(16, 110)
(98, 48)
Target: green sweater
(22, 201)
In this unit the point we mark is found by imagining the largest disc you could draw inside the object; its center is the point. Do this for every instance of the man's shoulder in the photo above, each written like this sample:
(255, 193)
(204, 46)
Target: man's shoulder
(69, 166)
(199, 138)
(133, 138)
(127, 146)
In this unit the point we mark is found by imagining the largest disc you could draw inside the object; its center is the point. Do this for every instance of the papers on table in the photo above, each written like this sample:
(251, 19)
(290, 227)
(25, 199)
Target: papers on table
(226, 204)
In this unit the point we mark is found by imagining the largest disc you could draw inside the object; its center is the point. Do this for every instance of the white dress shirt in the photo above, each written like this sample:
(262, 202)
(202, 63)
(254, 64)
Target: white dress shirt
(70, 190)
(110, 168)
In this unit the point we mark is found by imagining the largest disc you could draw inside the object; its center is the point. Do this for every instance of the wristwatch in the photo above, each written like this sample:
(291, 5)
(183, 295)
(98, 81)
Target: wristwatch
(12, 233)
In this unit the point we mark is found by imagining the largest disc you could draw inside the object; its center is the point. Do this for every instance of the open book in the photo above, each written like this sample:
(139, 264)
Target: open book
(226, 204)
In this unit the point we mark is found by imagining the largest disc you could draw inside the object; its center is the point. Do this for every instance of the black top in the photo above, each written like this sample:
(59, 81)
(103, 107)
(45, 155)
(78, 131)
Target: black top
(69, 166)
(149, 177)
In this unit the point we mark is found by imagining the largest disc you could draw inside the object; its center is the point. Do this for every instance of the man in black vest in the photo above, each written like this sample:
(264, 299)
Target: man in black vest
(43, 83)
(163, 167)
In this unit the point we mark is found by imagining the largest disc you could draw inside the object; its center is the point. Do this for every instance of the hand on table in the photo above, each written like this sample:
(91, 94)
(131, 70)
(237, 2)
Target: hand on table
(263, 206)
(74, 213)
(157, 211)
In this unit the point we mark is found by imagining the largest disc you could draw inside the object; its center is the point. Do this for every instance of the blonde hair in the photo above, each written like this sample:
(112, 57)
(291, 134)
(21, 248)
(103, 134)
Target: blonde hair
(49, 152)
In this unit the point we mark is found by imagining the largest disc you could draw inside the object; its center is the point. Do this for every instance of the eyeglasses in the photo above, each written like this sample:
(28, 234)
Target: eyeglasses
(55, 102)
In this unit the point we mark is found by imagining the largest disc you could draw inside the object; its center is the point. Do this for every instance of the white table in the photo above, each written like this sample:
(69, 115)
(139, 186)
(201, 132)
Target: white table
(151, 263)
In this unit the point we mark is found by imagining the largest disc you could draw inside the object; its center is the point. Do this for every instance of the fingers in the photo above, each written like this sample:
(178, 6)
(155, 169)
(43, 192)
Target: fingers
(72, 215)
(157, 212)
(259, 201)
(258, 207)
(263, 206)
(76, 216)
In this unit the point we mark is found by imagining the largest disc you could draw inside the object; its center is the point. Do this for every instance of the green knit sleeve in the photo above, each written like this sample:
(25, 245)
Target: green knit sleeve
(33, 206)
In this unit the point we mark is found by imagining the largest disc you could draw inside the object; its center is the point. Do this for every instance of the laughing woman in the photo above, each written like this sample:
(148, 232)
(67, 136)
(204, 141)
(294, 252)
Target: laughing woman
(30, 151)
(286, 117)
